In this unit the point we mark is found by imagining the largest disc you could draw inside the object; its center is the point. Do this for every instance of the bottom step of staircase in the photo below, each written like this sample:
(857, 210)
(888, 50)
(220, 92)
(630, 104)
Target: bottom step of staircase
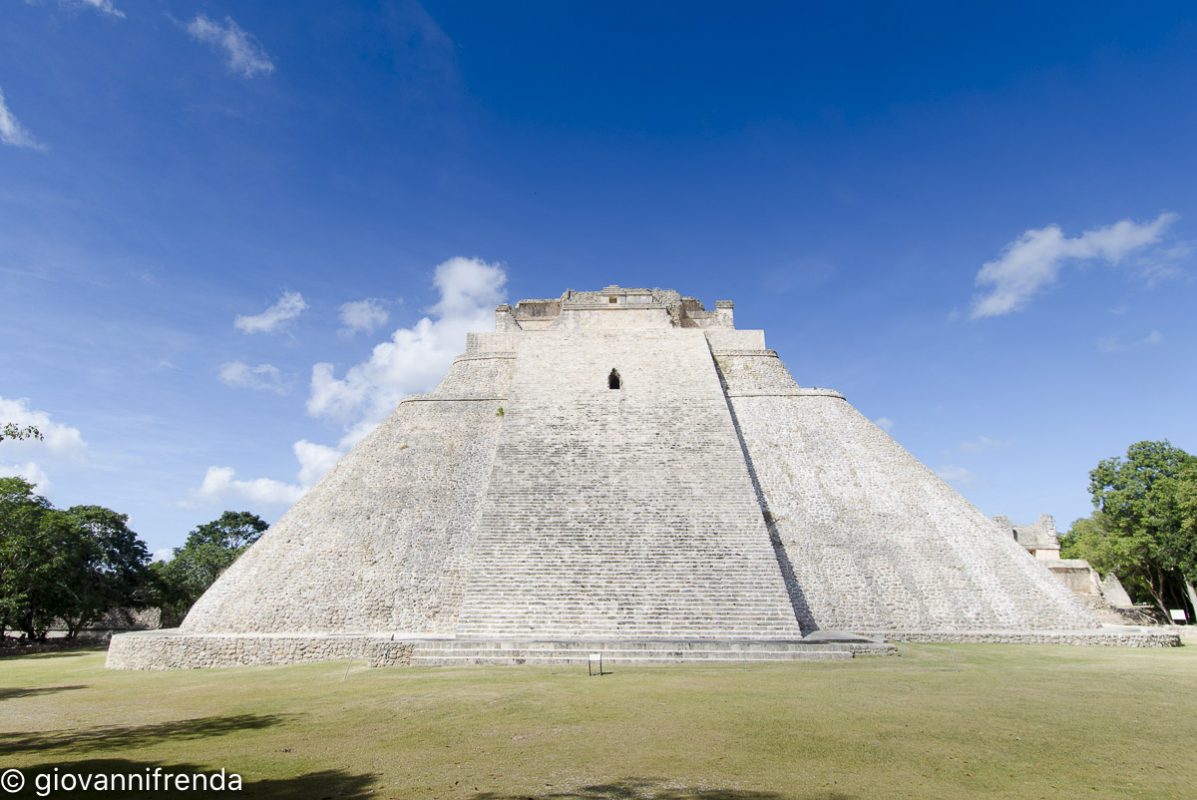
(445, 652)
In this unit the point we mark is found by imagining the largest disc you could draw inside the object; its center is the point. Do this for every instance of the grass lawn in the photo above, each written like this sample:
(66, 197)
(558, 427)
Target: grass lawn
(937, 721)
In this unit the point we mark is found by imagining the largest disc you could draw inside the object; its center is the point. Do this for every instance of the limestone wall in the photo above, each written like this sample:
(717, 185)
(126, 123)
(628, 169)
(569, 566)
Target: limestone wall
(1076, 574)
(477, 374)
(1114, 592)
(172, 650)
(383, 542)
(165, 651)
(621, 513)
(496, 342)
(607, 317)
(753, 371)
(876, 541)
(1139, 637)
(730, 339)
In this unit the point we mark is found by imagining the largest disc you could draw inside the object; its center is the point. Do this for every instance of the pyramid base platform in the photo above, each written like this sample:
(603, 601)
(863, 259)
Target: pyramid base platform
(1106, 635)
(172, 649)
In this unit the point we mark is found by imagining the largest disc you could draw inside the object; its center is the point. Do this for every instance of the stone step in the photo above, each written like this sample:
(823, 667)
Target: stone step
(567, 651)
(657, 643)
(621, 514)
(639, 657)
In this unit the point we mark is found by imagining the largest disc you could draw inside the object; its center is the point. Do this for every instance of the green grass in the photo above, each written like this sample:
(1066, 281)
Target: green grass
(935, 722)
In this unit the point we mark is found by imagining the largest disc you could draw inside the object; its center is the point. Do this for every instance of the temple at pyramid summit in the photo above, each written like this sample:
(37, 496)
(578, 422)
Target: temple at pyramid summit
(624, 472)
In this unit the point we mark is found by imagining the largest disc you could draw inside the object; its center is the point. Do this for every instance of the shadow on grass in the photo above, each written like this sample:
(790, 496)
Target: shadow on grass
(140, 776)
(14, 692)
(122, 736)
(655, 789)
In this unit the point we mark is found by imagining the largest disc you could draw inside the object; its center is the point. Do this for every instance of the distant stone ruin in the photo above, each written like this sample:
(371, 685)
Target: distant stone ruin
(1106, 596)
(620, 471)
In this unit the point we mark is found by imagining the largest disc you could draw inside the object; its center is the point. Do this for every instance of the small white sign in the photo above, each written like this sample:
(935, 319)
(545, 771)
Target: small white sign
(1178, 616)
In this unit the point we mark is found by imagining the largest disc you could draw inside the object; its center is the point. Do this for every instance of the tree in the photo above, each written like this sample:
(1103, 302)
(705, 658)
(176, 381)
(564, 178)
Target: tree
(1095, 540)
(233, 530)
(208, 551)
(1144, 528)
(12, 430)
(1186, 503)
(27, 557)
(108, 569)
(74, 565)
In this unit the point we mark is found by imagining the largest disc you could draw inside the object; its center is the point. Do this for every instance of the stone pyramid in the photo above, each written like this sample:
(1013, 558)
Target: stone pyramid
(619, 470)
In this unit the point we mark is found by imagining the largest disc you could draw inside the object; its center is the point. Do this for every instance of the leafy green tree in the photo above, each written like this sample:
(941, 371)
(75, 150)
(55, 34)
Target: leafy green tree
(233, 530)
(1186, 504)
(27, 557)
(12, 430)
(208, 551)
(74, 565)
(1144, 528)
(108, 568)
(1107, 550)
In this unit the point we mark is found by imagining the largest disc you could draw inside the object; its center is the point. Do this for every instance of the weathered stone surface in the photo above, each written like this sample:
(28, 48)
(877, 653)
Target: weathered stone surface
(175, 650)
(874, 539)
(709, 504)
(624, 512)
(1107, 599)
(1106, 637)
(381, 544)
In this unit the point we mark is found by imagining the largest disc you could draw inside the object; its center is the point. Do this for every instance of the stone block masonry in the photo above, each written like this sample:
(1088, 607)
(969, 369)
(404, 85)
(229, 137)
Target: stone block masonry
(621, 512)
(876, 540)
(381, 544)
(619, 470)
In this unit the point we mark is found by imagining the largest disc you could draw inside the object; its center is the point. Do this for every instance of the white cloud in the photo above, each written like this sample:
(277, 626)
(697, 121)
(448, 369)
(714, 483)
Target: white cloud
(1115, 344)
(59, 439)
(1164, 264)
(982, 444)
(467, 284)
(288, 307)
(163, 554)
(884, 423)
(951, 473)
(415, 358)
(220, 484)
(1034, 260)
(363, 316)
(13, 132)
(30, 472)
(104, 7)
(264, 377)
(314, 460)
(242, 52)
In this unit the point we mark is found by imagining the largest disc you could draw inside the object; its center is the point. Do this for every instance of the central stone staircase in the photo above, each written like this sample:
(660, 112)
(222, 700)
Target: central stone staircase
(621, 514)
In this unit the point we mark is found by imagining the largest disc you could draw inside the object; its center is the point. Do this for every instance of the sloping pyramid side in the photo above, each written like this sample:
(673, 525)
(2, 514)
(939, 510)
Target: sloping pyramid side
(874, 540)
(382, 543)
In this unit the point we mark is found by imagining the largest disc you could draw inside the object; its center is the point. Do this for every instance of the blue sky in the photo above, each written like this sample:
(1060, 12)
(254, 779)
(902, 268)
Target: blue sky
(232, 235)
